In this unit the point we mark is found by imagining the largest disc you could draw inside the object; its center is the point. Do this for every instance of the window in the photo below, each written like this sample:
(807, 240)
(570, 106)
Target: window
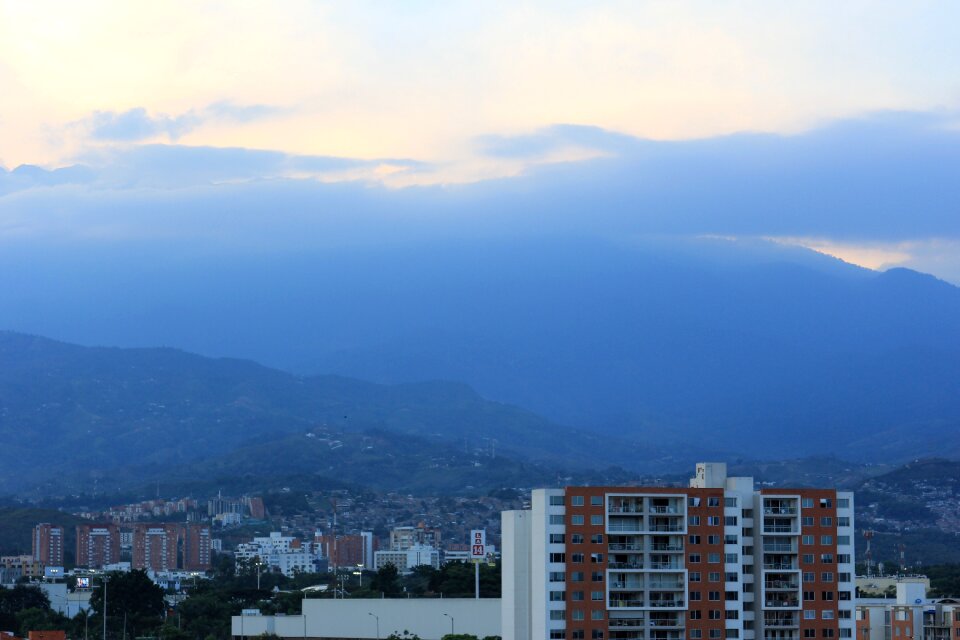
(806, 502)
(576, 501)
(731, 558)
(845, 633)
(596, 558)
(560, 557)
(557, 634)
(731, 596)
(558, 596)
(713, 501)
(826, 540)
(730, 538)
(693, 502)
(746, 532)
(714, 596)
(809, 614)
(809, 596)
(826, 503)
(729, 502)
(694, 557)
(844, 614)
(575, 519)
(693, 521)
(748, 513)
(694, 539)
(696, 614)
(843, 521)
(826, 576)
(576, 538)
(596, 596)
(694, 576)
(694, 596)
(713, 558)
(574, 557)
(714, 633)
(596, 614)
(556, 519)
(806, 540)
(731, 576)
(556, 501)
(730, 521)
(556, 538)
(731, 614)
(596, 576)
(843, 577)
(809, 633)
(826, 521)
(826, 596)
(695, 634)
(843, 595)
(596, 538)
(809, 576)
(596, 501)
(844, 558)
(713, 539)
(713, 614)
(576, 614)
(808, 558)
(843, 503)
(807, 521)
(576, 634)
(576, 576)
(843, 539)
(826, 558)
(596, 634)
(557, 576)
(576, 596)
(713, 521)
(557, 614)
(827, 614)
(732, 633)
(714, 576)
(596, 520)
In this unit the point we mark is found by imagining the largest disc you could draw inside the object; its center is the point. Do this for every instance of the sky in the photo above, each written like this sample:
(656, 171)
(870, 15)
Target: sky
(828, 125)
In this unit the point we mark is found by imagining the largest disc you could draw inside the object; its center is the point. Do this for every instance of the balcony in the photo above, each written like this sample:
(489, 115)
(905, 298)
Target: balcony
(626, 585)
(780, 511)
(666, 604)
(666, 566)
(627, 623)
(665, 527)
(624, 565)
(626, 603)
(667, 547)
(781, 621)
(665, 509)
(779, 547)
(625, 546)
(661, 622)
(775, 585)
(782, 603)
(676, 585)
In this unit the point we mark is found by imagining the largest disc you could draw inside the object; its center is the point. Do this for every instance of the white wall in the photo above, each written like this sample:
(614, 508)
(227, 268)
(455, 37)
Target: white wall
(515, 577)
(328, 618)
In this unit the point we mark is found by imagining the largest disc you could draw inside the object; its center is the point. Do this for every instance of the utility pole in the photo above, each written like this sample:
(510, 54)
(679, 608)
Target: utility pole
(106, 579)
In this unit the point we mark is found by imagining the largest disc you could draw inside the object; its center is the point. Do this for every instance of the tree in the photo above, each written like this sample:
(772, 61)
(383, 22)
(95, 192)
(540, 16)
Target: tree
(387, 581)
(206, 614)
(18, 599)
(132, 597)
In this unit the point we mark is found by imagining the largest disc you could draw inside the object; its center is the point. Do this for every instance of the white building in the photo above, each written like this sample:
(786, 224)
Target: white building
(429, 618)
(285, 554)
(409, 558)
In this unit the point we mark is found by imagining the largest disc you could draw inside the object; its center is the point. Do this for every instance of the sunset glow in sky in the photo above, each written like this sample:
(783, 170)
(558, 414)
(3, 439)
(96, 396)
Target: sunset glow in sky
(417, 89)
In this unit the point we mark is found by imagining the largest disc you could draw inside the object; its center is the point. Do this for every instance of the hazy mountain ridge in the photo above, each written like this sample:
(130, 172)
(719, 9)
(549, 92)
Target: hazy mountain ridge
(72, 412)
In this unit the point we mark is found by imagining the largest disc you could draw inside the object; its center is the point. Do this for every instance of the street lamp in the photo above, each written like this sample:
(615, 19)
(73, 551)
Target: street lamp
(106, 579)
(378, 623)
(451, 623)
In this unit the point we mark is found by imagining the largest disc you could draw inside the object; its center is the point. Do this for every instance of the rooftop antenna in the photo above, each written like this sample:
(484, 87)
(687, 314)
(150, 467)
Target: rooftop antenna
(903, 558)
(868, 554)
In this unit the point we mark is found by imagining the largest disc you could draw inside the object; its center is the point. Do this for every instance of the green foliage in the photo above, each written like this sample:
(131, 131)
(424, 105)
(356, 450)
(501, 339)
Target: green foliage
(944, 579)
(387, 581)
(37, 619)
(459, 636)
(131, 596)
(17, 600)
(456, 580)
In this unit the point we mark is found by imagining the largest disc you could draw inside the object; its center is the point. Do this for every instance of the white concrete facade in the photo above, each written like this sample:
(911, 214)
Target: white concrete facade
(429, 618)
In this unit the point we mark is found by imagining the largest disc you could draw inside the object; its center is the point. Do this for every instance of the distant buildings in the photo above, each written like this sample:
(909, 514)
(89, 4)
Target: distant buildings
(155, 546)
(98, 545)
(48, 540)
(285, 554)
(715, 560)
(910, 616)
(405, 560)
(351, 550)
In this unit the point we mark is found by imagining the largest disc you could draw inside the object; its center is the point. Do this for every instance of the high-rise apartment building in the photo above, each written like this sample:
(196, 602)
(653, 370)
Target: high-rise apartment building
(97, 545)
(715, 560)
(48, 544)
(155, 546)
(196, 547)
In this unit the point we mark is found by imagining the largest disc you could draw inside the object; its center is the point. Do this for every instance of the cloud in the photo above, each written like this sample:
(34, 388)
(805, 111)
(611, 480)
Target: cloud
(136, 124)
(882, 188)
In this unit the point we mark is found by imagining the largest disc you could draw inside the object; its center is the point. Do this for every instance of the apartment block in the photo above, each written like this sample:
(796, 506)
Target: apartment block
(98, 545)
(155, 546)
(911, 616)
(714, 560)
(48, 544)
(348, 550)
(196, 547)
